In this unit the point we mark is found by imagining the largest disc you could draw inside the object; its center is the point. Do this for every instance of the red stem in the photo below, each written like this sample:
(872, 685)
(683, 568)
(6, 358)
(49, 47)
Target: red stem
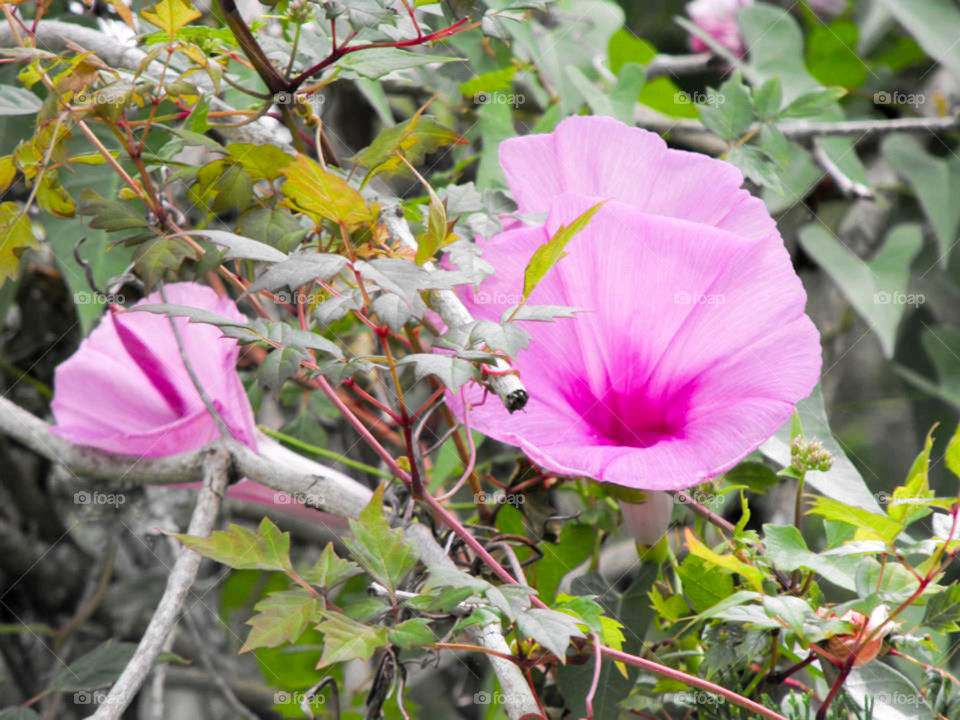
(588, 702)
(339, 52)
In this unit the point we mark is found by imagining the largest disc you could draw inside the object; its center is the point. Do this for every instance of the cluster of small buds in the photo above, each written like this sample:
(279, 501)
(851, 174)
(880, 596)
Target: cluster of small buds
(300, 11)
(809, 455)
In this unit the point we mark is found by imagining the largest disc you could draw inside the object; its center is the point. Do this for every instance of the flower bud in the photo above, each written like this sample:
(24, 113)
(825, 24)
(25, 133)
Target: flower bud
(809, 455)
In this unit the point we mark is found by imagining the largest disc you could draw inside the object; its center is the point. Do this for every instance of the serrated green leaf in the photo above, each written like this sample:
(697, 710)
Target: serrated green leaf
(330, 569)
(870, 525)
(551, 629)
(383, 551)
(16, 236)
(110, 214)
(346, 639)
(242, 549)
(943, 609)
(262, 162)
(413, 139)
(281, 617)
(813, 103)
(411, 633)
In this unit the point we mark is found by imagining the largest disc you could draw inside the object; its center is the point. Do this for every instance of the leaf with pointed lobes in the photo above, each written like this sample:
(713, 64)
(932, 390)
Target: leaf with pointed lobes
(321, 194)
(242, 549)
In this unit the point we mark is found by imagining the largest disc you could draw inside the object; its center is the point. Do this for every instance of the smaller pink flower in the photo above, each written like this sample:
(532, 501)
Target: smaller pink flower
(126, 389)
(718, 18)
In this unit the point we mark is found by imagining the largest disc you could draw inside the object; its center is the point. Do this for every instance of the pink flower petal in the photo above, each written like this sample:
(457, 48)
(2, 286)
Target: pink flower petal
(603, 158)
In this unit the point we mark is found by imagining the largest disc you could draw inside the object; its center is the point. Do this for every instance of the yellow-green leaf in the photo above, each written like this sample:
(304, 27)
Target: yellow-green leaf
(952, 457)
(170, 15)
(16, 236)
(243, 549)
(263, 162)
(870, 525)
(904, 506)
(412, 140)
(383, 551)
(321, 194)
(53, 197)
(8, 171)
(727, 562)
(550, 253)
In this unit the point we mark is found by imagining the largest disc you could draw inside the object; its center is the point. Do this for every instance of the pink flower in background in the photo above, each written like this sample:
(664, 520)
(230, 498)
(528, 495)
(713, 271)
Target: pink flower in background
(693, 348)
(718, 18)
(127, 391)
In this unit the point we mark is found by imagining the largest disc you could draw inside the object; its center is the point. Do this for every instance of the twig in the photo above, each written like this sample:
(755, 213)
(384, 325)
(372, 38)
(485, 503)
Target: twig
(222, 685)
(680, 64)
(216, 465)
(846, 185)
(518, 699)
(508, 386)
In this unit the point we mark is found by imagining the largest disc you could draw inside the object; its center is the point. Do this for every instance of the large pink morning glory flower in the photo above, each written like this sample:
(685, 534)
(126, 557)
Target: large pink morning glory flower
(693, 348)
(718, 18)
(126, 389)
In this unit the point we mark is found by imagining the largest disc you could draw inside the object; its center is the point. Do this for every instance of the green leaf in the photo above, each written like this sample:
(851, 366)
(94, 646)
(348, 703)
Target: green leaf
(276, 227)
(878, 289)
(330, 569)
(935, 181)
(412, 633)
(785, 549)
(625, 47)
(240, 247)
(373, 64)
(753, 476)
(53, 197)
(768, 98)
(703, 586)
(99, 668)
(553, 630)
(550, 253)
(943, 610)
(346, 639)
(243, 549)
(917, 487)
(440, 600)
(891, 695)
(813, 103)
(489, 82)
(575, 544)
(110, 215)
(262, 162)
(873, 525)
(160, 259)
(383, 551)
(727, 562)
(321, 194)
(413, 139)
(832, 57)
(453, 372)
(952, 455)
(281, 365)
(16, 235)
(170, 15)
(936, 26)
(16, 100)
(435, 236)
(728, 111)
(281, 617)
